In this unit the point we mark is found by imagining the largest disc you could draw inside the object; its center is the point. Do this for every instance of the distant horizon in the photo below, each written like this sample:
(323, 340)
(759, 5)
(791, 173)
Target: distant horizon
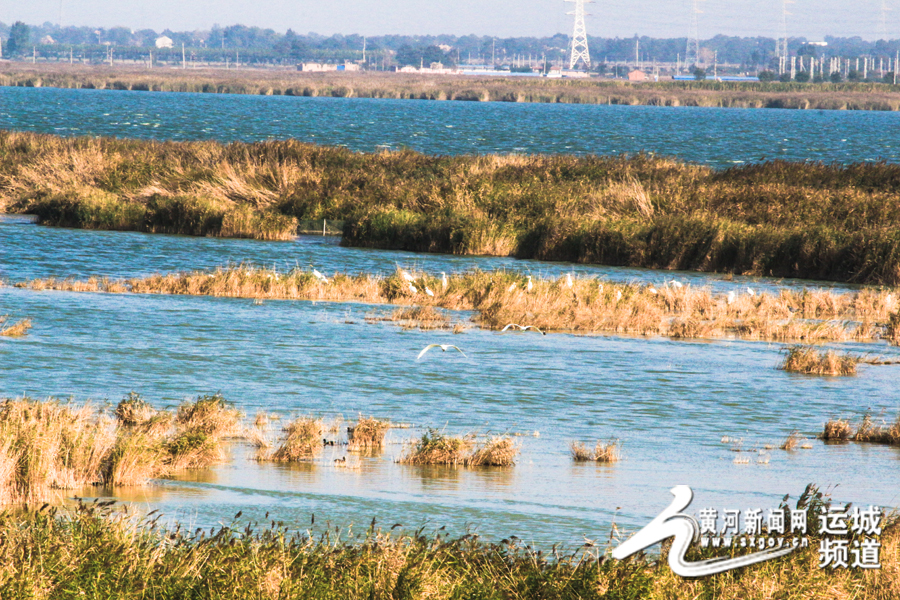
(664, 19)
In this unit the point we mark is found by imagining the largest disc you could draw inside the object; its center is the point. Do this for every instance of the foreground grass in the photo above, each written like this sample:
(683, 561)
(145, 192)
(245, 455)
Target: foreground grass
(96, 551)
(783, 219)
(584, 305)
(827, 96)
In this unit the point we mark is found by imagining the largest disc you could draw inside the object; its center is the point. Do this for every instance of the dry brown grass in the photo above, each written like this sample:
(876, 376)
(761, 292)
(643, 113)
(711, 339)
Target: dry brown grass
(837, 430)
(811, 362)
(792, 442)
(302, 441)
(17, 329)
(605, 452)
(435, 448)
(588, 306)
(133, 410)
(498, 451)
(367, 433)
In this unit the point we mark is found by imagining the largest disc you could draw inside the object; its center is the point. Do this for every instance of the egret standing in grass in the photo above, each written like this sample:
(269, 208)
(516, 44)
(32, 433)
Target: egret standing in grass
(319, 276)
(444, 282)
(529, 286)
(406, 276)
(413, 289)
(428, 291)
(731, 297)
(750, 291)
(569, 280)
(443, 347)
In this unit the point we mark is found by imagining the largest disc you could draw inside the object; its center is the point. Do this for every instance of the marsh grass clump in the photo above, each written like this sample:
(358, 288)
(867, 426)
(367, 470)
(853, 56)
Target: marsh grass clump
(837, 430)
(806, 360)
(604, 452)
(367, 433)
(303, 439)
(18, 329)
(47, 446)
(498, 451)
(211, 415)
(435, 448)
(133, 410)
(792, 442)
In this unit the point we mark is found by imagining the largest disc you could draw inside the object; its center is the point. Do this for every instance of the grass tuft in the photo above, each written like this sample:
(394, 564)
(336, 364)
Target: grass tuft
(17, 329)
(368, 433)
(608, 452)
(800, 359)
(302, 441)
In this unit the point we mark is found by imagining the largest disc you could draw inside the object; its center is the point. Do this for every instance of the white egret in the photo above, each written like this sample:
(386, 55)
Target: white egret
(618, 295)
(676, 284)
(522, 328)
(751, 292)
(406, 276)
(731, 297)
(568, 280)
(511, 288)
(652, 290)
(428, 291)
(319, 276)
(413, 289)
(600, 286)
(443, 347)
(444, 281)
(529, 285)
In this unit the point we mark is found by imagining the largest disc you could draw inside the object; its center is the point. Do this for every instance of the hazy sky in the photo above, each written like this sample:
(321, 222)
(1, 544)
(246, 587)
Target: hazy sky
(503, 18)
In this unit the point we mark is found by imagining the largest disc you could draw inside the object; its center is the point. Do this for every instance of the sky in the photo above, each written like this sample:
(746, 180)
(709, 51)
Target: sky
(501, 18)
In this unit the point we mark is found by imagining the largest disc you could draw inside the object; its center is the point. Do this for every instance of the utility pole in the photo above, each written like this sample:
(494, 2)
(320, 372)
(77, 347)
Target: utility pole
(364, 50)
(781, 46)
(183, 61)
(579, 48)
(493, 52)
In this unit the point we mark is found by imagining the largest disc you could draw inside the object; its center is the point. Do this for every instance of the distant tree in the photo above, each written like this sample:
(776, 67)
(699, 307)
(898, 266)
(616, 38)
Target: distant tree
(836, 77)
(19, 34)
(699, 74)
(802, 77)
(766, 76)
(889, 78)
(818, 79)
(806, 50)
(854, 75)
(408, 56)
(784, 77)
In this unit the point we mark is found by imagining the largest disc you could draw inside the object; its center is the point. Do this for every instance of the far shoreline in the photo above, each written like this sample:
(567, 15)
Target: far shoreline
(414, 86)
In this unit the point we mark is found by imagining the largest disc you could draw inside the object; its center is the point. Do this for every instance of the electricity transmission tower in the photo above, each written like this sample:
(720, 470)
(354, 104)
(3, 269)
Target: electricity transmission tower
(781, 46)
(579, 50)
(882, 26)
(692, 54)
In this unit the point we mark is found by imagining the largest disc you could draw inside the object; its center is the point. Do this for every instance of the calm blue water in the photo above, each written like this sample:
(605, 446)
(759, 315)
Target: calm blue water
(717, 137)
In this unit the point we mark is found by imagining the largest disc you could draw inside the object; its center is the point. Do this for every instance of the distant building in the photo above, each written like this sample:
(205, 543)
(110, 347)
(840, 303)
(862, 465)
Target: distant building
(164, 42)
(47, 40)
(323, 67)
(637, 75)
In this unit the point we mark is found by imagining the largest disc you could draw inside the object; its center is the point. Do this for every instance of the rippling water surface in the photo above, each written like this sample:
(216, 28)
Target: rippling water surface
(669, 402)
(718, 137)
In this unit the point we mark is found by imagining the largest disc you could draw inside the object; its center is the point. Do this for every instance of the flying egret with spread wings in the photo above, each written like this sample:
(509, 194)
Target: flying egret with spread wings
(522, 328)
(443, 347)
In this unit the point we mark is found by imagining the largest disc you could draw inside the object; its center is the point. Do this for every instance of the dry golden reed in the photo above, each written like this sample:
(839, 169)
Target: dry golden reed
(367, 433)
(605, 452)
(435, 448)
(17, 329)
(303, 439)
(811, 362)
(578, 304)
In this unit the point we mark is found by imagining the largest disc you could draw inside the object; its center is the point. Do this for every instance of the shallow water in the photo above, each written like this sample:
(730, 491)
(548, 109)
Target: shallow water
(669, 403)
(719, 137)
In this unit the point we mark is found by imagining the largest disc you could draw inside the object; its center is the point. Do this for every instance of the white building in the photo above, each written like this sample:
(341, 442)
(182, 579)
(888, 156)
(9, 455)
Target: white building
(164, 42)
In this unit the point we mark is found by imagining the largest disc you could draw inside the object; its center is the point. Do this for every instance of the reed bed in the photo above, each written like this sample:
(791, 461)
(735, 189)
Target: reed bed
(866, 431)
(102, 549)
(435, 448)
(584, 305)
(18, 329)
(302, 441)
(642, 210)
(825, 96)
(367, 434)
(604, 452)
(805, 360)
